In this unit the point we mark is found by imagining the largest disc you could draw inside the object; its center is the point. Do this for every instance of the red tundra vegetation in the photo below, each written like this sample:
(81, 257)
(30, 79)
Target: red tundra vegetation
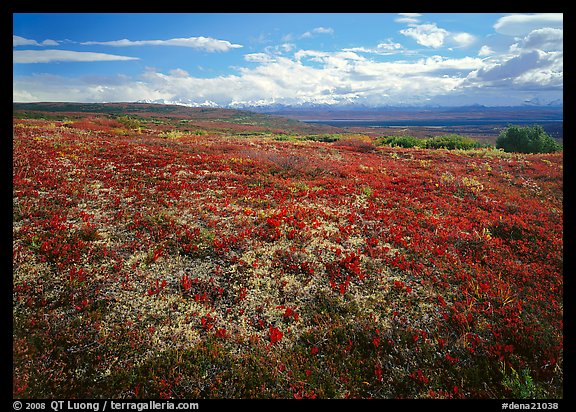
(161, 263)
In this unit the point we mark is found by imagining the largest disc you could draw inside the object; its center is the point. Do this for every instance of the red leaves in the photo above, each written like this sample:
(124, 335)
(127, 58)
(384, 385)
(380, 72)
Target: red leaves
(201, 290)
(157, 287)
(207, 322)
(274, 334)
(452, 360)
(77, 274)
(399, 285)
(341, 271)
(157, 254)
(418, 376)
(273, 222)
(289, 313)
(186, 283)
(82, 305)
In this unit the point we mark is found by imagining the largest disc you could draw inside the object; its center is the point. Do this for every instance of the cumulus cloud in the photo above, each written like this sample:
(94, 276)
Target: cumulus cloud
(309, 76)
(462, 39)
(547, 39)
(522, 24)
(536, 61)
(511, 68)
(533, 69)
(312, 76)
(47, 56)
(485, 51)
(201, 43)
(22, 41)
(430, 35)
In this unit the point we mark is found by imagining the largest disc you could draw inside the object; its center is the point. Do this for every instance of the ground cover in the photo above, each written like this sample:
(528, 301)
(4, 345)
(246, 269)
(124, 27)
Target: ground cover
(215, 263)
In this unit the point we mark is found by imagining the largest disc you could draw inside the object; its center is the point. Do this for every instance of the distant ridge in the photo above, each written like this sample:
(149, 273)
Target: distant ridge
(318, 112)
(267, 106)
(210, 116)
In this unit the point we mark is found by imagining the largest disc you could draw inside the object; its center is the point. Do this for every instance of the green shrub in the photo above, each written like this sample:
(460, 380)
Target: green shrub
(529, 139)
(451, 142)
(522, 386)
(130, 123)
(401, 141)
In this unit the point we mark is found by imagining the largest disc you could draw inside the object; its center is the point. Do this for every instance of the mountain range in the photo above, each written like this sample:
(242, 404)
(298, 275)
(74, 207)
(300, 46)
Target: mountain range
(266, 107)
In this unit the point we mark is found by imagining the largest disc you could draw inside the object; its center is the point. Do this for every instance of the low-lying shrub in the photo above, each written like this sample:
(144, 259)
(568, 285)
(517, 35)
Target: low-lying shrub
(529, 139)
(401, 141)
(450, 142)
(361, 144)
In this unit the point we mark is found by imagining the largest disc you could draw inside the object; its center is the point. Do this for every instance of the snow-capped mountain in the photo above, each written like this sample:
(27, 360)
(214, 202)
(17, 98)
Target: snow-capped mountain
(180, 102)
(269, 105)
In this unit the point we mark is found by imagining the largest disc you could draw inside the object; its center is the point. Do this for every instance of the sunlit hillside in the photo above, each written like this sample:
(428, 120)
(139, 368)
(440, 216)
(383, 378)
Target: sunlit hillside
(167, 256)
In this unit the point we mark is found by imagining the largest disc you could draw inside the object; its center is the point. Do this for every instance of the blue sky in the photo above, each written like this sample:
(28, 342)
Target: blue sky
(247, 59)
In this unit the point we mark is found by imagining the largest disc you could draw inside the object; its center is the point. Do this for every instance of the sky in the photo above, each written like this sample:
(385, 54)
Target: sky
(294, 59)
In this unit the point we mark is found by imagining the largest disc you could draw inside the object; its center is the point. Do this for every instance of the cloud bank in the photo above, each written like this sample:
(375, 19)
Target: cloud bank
(387, 73)
(522, 24)
(307, 77)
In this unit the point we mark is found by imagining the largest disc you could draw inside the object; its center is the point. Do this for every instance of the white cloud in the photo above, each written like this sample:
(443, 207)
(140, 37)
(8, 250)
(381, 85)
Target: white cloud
(202, 43)
(179, 73)
(385, 48)
(536, 61)
(510, 68)
(485, 51)
(323, 30)
(327, 57)
(287, 47)
(280, 48)
(45, 87)
(317, 30)
(22, 41)
(389, 46)
(547, 39)
(258, 58)
(47, 56)
(407, 18)
(522, 24)
(428, 35)
(462, 39)
(310, 76)
(360, 50)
